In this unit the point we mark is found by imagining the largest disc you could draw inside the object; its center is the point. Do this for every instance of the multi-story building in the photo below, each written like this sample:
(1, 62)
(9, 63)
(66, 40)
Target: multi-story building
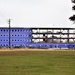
(37, 37)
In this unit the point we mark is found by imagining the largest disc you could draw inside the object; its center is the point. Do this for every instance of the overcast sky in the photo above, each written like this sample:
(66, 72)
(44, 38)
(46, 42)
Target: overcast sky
(36, 13)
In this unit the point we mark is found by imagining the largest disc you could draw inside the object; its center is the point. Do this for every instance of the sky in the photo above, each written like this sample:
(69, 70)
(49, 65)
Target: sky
(36, 13)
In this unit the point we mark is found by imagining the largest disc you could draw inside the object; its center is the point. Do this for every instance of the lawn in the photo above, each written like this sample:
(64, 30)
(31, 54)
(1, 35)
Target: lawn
(37, 63)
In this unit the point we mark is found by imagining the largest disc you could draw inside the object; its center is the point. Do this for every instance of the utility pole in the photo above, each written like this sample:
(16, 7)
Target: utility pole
(9, 32)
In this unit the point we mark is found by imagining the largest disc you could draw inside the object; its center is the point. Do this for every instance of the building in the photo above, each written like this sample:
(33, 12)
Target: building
(37, 37)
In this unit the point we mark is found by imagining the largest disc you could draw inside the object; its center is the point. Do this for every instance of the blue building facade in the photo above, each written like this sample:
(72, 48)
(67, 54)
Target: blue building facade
(18, 37)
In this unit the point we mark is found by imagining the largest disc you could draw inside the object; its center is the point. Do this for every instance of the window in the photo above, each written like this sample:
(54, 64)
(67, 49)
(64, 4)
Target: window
(26, 40)
(12, 35)
(1, 30)
(21, 45)
(26, 31)
(12, 45)
(4, 30)
(6, 44)
(12, 40)
(29, 35)
(12, 30)
(6, 40)
(20, 30)
(6, 35)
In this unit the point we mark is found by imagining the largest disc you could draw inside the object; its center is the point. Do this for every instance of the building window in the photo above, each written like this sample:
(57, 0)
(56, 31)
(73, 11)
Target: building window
(29, 35)
(26, 40)
(26, 31)
(6, 44)
(12, 40)
(1, 30)
(0, 44)
(12, 45)
(6, 40)
(6, 35)
(4, 30)
(21, 30)
(21, 45)
(12, 35)
(12, 30)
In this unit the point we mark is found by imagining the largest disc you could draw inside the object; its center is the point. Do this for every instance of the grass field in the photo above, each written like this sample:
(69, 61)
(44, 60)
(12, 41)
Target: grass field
(37, 62)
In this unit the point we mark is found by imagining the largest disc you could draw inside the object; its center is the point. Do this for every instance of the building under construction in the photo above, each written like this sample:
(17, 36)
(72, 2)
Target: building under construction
(37, 37)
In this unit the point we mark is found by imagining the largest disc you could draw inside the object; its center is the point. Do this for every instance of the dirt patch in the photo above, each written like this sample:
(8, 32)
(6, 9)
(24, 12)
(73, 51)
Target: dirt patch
(26, 49)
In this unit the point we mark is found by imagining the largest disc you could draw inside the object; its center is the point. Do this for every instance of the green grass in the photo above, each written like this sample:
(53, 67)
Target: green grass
(37, 63)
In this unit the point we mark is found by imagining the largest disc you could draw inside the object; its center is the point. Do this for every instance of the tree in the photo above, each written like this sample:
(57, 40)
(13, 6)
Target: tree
(73, 1)
(73, 8)
(72, 18)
